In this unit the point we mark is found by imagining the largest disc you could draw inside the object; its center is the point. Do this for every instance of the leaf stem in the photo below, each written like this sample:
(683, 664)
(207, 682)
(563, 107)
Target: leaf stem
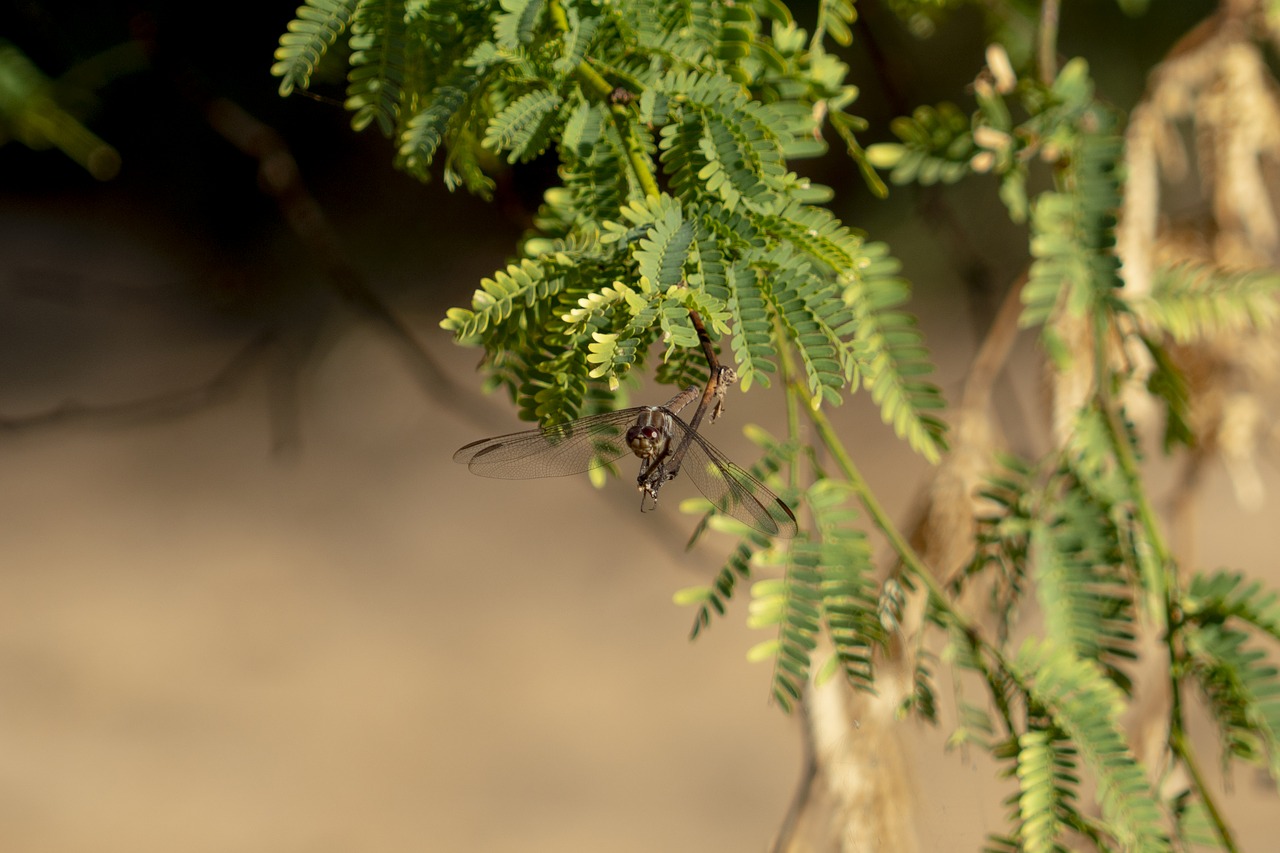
(1167, 598)
(640, 163)
(788, 366)
(869, 502)
(1178, 743)
(600, 89)
(913, 562)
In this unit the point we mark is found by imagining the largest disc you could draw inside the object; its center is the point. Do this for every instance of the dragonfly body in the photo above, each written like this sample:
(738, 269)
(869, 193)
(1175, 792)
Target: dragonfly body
(657, 436)
(650, 439)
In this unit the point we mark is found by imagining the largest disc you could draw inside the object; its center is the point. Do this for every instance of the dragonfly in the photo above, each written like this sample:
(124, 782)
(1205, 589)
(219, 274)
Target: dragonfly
(665, 445)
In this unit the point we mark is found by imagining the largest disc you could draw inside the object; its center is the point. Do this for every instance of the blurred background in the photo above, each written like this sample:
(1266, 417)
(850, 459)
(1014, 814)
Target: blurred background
(247, 601)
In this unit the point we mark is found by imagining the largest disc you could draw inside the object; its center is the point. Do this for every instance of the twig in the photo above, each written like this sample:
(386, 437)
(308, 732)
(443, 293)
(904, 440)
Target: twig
(804, 787)
(708, 349)
(716, 374)
(1178, 743)
(281, 179)
(1047, 41)
(168, 404)
(984, 371)
(994, 351)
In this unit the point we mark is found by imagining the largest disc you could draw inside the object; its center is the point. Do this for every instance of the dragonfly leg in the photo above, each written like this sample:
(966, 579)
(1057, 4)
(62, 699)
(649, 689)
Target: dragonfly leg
(654, 473)
(727, 376)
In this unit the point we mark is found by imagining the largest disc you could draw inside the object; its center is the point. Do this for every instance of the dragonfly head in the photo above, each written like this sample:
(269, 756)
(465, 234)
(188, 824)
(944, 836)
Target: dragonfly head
(647, 441)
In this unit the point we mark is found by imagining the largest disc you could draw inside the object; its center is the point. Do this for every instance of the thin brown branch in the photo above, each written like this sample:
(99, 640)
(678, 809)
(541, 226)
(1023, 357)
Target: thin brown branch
(824, 812)
(1047, 38)
(804, 785)
(281, 179)
(167, 404)
(994, 350)
(937, 515)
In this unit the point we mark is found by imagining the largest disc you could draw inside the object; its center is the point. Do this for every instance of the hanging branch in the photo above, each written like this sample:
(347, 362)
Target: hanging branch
(679, 217)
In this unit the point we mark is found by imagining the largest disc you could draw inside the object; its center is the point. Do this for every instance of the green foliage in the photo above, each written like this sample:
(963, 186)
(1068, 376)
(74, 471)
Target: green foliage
(1073, 232)
(674, 128)
(695, 94)
(1003, 538)
(1076, 527)
(1169, 386)
(1078, 700)
(515, 24)
(1087, 603)
(1193, 302)
(310, 35)
(790, 605)
(713, 599)
(834, 18)
(1242, 691)
(828, 586)
(1225, 595)
(1193, 821)
(850, 593)
(377, 78)
(892, 355)
(1061, 534)
(425, 131)
(937, 144)
(523, 128)
(1241, 688)
(720, 144)
(1046, 771)
(752, 328)
(1064, 123)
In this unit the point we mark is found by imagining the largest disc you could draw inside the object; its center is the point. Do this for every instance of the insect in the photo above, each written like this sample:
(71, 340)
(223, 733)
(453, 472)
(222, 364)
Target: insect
(664, 443)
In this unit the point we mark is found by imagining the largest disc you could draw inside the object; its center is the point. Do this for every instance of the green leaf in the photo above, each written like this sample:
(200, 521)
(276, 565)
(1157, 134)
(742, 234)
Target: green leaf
(1242, 689)
(834, 17)
(712, 599)
(662, 252)
(850, 600)
(792, 607)
(308, 38)
(892, 356)
(722, 146)
(937, 145)
(523, 128)
(516, 23)
(378, 62)
(752, 329)
(1167, 384)
(1073, 231)
(1225, 595)
(1046, 771)
(1196, 301)
(425, 131)
(577, 41)
(1087, 603)
(499, 297)
(1086, 707)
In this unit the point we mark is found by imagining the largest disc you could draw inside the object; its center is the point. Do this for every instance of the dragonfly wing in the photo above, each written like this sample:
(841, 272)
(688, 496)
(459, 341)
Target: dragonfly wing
(554, 451)
(733, 491)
